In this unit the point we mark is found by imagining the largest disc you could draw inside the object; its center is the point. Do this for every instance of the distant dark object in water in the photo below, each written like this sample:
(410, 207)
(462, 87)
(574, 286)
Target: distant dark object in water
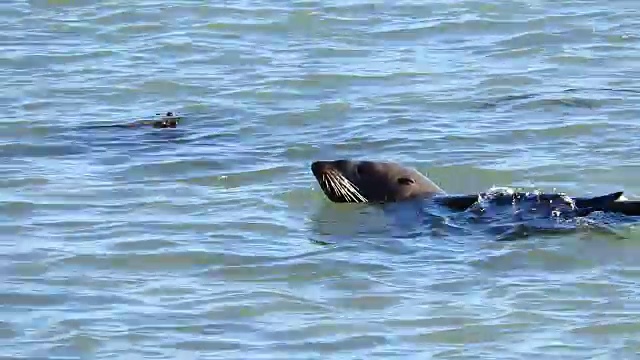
(380, 183)
(168, 120)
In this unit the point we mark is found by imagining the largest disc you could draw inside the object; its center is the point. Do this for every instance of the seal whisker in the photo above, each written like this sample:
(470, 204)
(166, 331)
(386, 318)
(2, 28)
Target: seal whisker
(341, 189)
(334, 186)
(337, 187)
(325, 183)
(345, 187)
(353, 191)
(331, 187)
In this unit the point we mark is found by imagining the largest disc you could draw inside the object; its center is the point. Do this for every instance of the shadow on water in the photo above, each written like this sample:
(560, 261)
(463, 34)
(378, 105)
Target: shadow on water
(395, 228)
(361, 226)
(334, 224)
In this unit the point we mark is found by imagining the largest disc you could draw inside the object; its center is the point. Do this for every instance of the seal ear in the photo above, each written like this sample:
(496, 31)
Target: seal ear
(405, 181)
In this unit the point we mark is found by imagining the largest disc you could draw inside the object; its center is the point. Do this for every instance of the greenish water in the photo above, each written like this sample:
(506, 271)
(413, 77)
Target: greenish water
(204, 242)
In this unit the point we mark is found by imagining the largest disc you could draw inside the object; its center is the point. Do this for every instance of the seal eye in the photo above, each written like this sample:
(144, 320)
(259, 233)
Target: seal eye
(405, 181)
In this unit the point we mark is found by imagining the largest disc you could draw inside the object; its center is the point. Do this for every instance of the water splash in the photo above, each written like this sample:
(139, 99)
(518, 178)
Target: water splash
(510, 214)
(556, 204)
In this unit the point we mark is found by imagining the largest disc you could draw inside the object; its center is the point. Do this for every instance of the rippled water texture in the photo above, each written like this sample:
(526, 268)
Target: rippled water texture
(213, 240)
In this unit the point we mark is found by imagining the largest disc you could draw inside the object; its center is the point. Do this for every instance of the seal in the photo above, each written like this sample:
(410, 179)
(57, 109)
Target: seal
(353, 181)
(365, 181)
(169, 120)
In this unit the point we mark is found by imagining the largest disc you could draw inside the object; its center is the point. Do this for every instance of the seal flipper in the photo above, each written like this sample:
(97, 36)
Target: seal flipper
(598, 201)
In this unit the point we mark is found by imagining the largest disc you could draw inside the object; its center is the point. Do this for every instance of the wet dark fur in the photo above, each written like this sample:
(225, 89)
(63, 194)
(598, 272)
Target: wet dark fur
(371, 181)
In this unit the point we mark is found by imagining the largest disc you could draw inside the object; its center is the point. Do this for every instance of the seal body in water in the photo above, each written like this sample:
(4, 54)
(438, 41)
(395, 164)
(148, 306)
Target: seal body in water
(168, 120)
(354, 181)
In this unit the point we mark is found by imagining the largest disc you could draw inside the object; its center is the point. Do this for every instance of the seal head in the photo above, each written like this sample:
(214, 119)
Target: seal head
(168, 121)
(351, 181)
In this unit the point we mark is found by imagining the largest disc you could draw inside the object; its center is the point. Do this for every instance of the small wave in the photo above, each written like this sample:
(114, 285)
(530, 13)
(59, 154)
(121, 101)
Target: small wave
(575, 102)
(471, 27)
(144, 245)
(24, 298)
(530, 40)
(23, 150)
(352, 343)
(162, 261)
(620, 328)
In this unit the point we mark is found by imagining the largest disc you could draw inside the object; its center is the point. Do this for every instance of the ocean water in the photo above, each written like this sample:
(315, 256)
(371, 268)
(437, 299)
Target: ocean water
(213, 241)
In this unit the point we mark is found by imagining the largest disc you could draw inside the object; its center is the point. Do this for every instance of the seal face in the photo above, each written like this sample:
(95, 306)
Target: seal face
(351, 181)
(168, 121)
